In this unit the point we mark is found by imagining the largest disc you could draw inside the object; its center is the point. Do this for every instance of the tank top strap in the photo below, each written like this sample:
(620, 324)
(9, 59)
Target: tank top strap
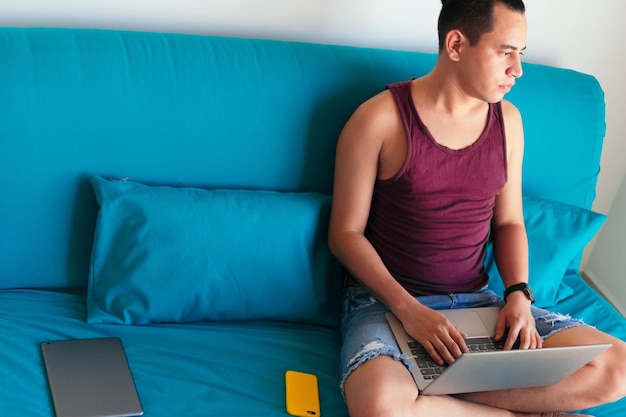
(401, 93)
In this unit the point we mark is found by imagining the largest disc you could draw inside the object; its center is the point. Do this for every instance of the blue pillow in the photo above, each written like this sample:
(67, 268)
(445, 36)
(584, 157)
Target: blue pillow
(164, 254)
(557, 233)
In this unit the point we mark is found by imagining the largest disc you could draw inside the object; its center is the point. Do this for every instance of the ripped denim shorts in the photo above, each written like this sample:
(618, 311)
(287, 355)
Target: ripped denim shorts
(366, 333)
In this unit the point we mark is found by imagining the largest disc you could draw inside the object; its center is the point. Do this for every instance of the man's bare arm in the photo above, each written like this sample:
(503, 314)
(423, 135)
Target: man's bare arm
(510, 241)
(361, 157)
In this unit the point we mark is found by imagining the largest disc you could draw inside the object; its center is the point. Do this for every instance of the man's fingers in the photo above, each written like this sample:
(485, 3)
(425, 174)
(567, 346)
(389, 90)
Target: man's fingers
(525, 338)
(448, 348)
(512, 337)
(439, 358)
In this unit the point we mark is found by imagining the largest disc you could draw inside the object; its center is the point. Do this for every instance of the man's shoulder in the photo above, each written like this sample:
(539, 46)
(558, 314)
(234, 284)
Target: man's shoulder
(380, 101)
(513, 126)
(374, 123)
(379, 109)
(509, 110)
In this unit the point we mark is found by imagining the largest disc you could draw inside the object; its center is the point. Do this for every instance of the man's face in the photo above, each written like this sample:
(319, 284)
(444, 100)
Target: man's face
(492, 65)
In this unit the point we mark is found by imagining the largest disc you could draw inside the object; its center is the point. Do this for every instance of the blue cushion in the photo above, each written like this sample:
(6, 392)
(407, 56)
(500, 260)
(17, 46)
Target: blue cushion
(557, 233)
(164, 254)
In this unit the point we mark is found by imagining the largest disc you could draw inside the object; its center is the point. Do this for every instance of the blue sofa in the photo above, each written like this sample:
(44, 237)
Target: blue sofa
(174, 191)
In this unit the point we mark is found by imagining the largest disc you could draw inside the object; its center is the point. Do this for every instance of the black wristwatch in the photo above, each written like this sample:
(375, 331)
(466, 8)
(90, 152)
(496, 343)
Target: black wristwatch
(522, 286)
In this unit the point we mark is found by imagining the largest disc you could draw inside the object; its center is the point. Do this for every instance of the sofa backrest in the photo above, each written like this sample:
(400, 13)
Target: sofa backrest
(216, 112)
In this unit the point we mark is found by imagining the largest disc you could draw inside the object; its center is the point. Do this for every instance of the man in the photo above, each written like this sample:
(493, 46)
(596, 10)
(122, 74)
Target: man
(425, 171)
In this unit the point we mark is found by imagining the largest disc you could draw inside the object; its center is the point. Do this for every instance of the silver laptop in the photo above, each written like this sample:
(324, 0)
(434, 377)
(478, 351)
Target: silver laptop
(90, 378)
(487, 367)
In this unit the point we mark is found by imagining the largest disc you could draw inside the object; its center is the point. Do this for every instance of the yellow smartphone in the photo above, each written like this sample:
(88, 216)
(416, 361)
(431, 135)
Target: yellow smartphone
(302, 394)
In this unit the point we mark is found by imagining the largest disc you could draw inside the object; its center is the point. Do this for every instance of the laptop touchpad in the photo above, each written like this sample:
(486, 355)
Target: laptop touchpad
(467, 322)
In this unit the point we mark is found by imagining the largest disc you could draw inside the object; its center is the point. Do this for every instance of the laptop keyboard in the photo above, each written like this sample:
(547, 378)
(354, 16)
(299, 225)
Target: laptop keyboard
(431, 370)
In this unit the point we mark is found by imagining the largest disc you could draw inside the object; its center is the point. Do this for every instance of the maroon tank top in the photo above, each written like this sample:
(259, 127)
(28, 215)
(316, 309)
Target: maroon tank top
(431, 221)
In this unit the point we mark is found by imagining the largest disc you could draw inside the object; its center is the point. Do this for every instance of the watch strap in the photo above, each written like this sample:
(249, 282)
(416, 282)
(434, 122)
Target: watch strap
(522, 286)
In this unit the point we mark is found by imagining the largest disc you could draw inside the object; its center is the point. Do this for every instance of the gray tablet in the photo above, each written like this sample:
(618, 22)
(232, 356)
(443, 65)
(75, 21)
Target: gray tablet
(90, 378)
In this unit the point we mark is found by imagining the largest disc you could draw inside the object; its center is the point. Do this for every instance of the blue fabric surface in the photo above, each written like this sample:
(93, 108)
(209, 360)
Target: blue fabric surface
(216, 112)
(166, 254)
(200, 369)
(194, 369)
(557, 233)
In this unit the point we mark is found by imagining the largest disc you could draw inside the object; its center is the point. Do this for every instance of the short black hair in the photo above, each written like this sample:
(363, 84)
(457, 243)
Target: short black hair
(472, 17)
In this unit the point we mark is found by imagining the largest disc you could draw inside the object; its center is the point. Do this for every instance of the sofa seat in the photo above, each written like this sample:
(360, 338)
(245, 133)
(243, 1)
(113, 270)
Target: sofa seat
(206, 368)
(193, 369)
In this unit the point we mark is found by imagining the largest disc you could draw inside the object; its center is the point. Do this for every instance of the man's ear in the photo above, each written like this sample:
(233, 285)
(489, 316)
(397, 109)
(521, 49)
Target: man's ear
(455, 40)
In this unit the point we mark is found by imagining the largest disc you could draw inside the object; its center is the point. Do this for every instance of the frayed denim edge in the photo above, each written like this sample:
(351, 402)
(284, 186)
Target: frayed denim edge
(553, 318)
(370, 351)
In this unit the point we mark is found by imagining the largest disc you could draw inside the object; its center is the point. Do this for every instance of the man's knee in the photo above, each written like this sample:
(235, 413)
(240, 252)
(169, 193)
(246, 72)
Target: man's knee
(616, 373)
(611, 370)
(380, 387)
(380, 405)
(606, 380)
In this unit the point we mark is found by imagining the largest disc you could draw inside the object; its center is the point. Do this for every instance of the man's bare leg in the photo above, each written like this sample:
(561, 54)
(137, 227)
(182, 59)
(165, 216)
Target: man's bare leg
(383, 387)
(601, 381)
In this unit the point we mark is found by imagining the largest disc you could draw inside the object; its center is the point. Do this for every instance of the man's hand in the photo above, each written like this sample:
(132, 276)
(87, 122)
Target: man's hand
(442, 340)
(516, 321)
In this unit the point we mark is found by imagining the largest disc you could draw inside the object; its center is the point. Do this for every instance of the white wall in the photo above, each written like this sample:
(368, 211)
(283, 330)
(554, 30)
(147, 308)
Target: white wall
(585, 35)
(607, 264)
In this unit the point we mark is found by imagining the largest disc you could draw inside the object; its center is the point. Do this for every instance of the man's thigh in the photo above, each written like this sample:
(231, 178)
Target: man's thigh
(580, 335)
(610, 364)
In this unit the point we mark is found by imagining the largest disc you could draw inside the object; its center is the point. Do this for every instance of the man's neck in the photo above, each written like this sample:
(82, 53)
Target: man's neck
(442, 93)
